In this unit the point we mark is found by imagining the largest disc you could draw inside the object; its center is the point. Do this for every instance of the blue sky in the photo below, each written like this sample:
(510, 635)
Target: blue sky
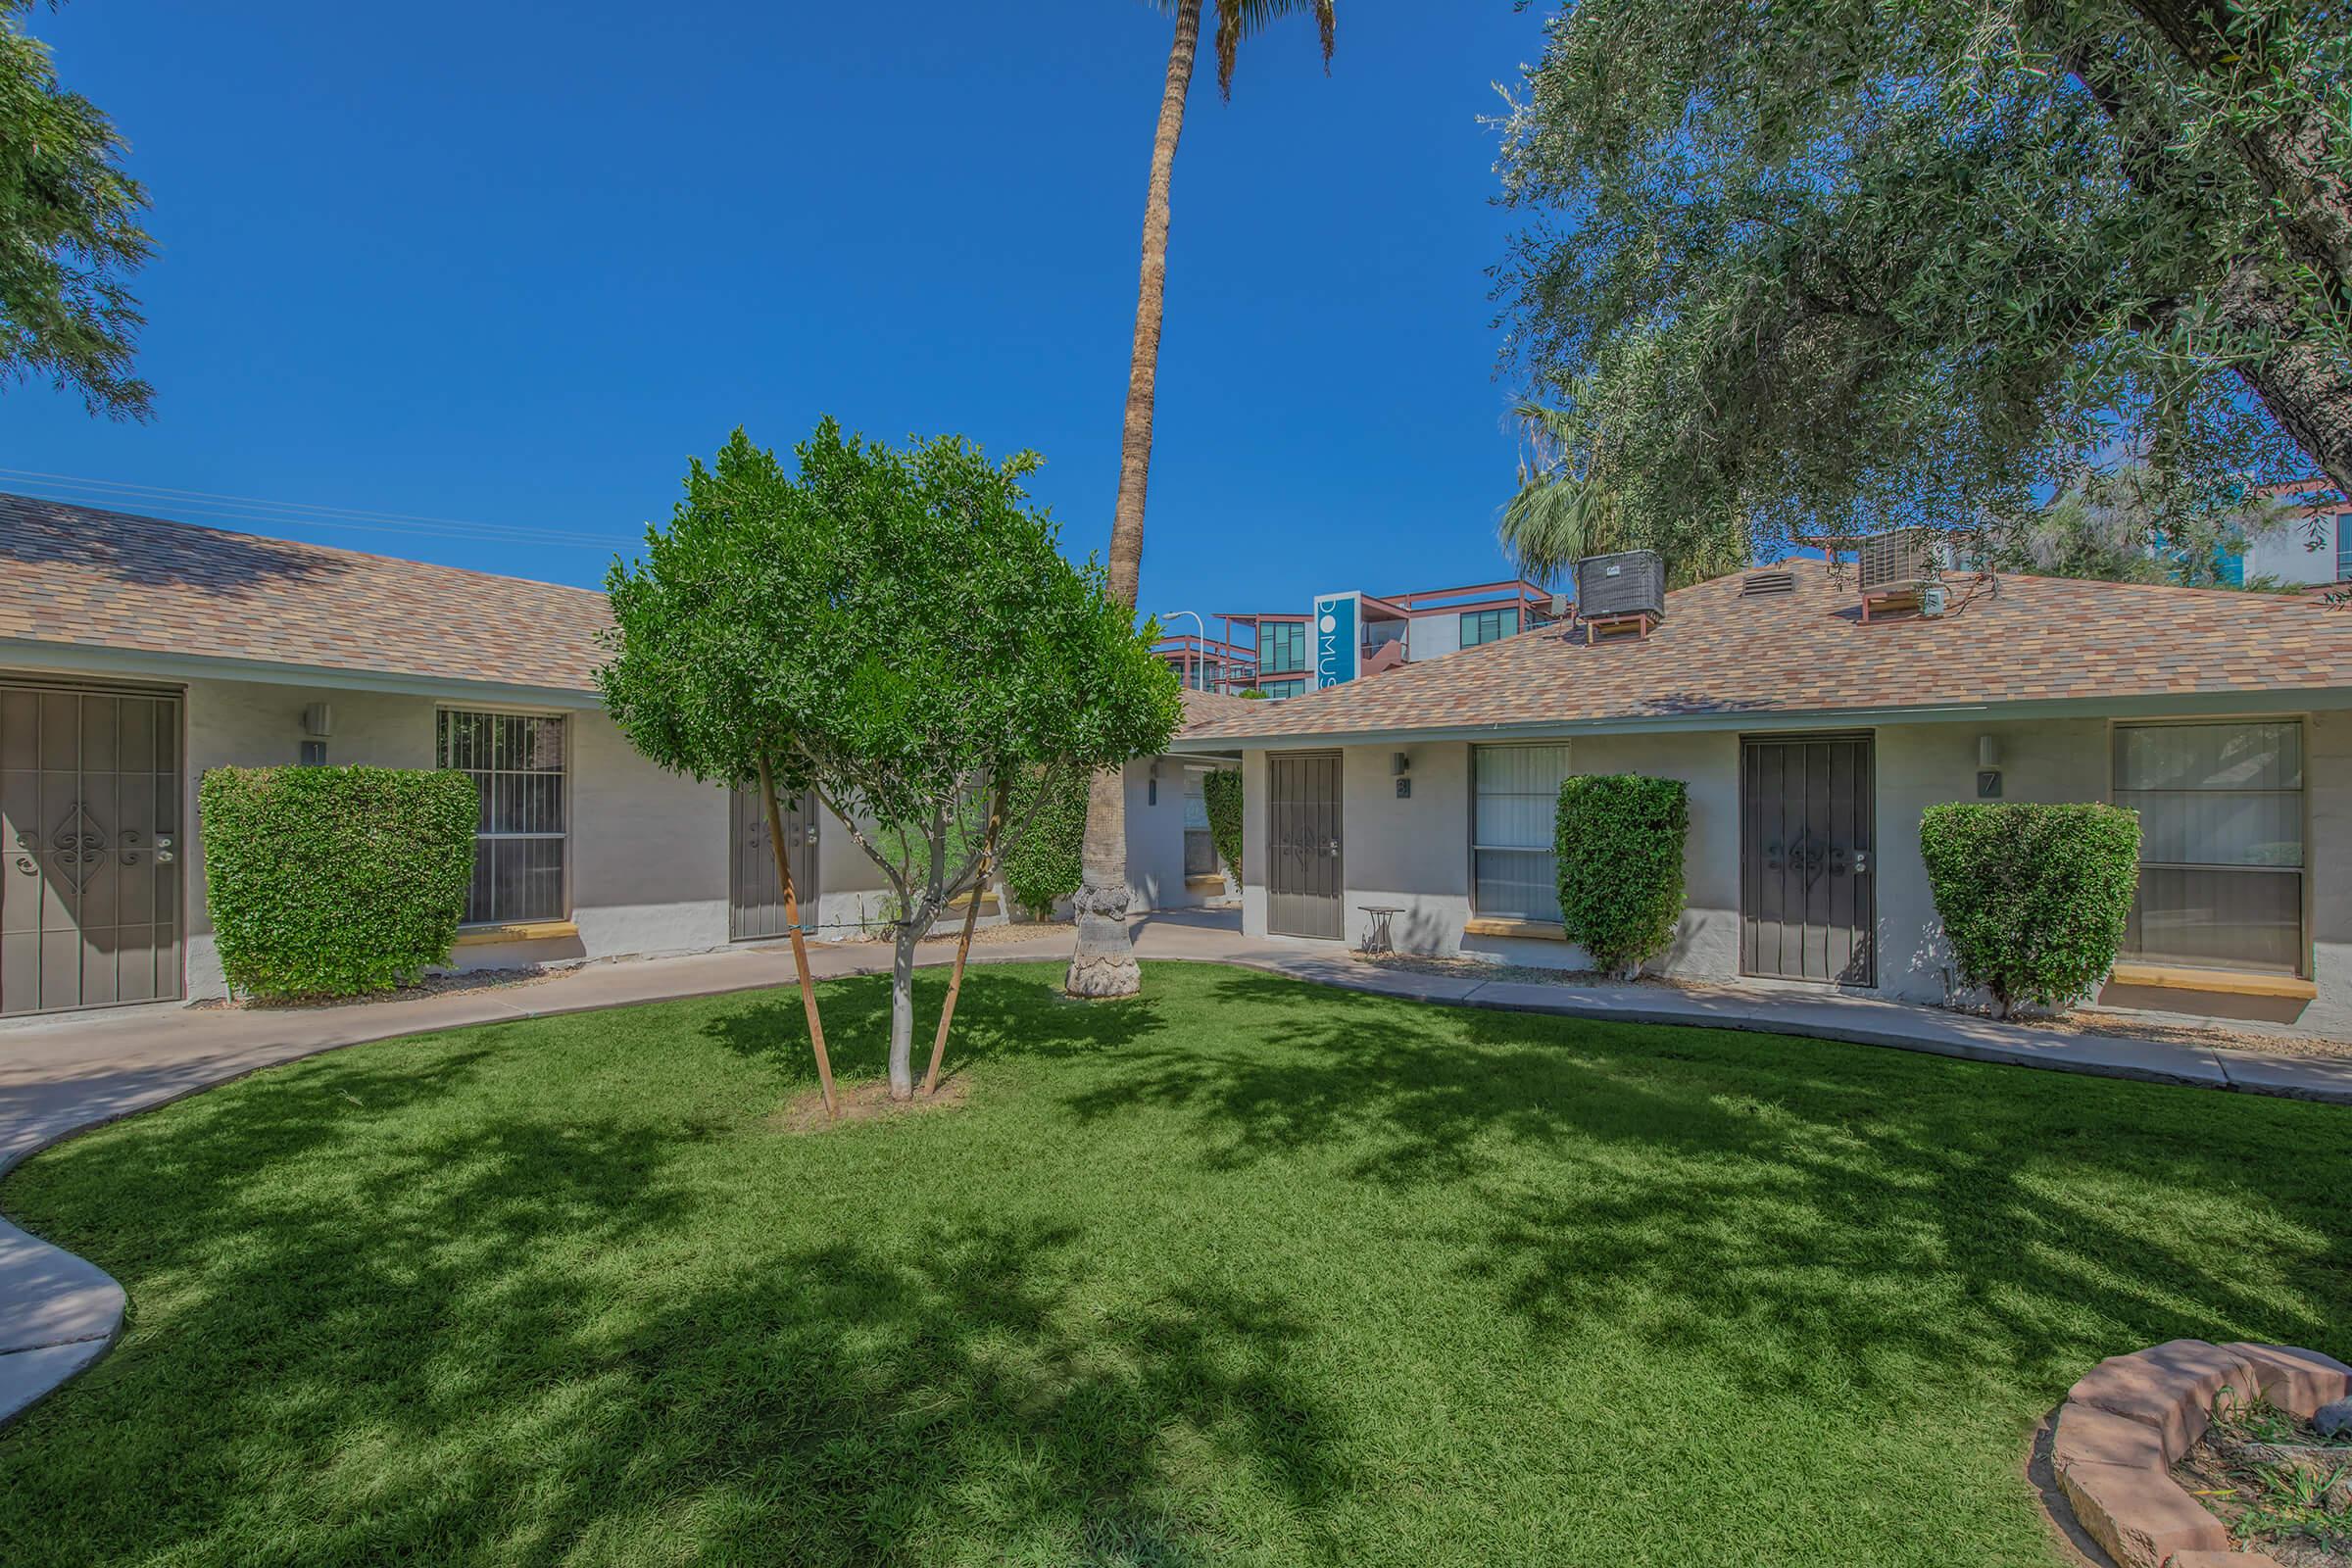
(514, 263)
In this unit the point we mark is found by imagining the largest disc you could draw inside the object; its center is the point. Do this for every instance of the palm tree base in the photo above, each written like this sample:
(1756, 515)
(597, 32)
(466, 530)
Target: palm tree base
(1105, 963)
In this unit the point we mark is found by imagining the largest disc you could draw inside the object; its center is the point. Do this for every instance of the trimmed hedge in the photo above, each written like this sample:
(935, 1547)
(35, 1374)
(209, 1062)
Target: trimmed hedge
(2034, 899)
(1619, 841)
(1047, 863)
(1223, 790)
(334, 881)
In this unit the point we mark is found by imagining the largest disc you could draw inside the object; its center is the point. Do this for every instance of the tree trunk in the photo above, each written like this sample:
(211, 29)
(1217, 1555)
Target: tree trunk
(964, 944)
(2302, 382)
(2281, 134)
(2306, 385)
(1105, 963)
(800, 947)
(902, 1012)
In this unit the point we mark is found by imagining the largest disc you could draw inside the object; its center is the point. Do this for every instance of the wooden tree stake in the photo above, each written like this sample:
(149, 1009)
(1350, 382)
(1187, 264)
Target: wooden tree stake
(964, 945)
(800, 947)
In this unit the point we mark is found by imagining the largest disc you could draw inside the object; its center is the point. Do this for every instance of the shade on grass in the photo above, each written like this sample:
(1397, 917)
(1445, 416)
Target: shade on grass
(1246, 1271)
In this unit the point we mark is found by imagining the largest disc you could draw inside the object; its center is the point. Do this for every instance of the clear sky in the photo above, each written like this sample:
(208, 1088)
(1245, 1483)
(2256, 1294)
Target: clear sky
(514, 262)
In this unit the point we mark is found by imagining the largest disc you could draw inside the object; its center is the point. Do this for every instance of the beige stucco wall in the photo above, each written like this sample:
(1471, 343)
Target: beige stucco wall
(648, 849)
(1920, 766)
(2327, 803)
(1414, 854)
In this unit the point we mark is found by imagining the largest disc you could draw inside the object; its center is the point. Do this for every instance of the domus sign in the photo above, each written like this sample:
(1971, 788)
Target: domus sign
(1337, 655)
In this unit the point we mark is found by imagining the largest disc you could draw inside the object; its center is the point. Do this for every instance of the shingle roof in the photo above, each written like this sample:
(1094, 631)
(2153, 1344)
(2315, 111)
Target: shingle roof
(1807, 650)
(78, 575)
(1204, 711)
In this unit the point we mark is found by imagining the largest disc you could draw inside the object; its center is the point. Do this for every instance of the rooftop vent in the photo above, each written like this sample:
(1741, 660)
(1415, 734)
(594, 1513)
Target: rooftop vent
(1756, 584)
(1621, 586)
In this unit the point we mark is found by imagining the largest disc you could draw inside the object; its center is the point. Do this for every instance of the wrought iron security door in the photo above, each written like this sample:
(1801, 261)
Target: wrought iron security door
(1306, 866)
(755, 894)
(1807, 892)
(90, 830)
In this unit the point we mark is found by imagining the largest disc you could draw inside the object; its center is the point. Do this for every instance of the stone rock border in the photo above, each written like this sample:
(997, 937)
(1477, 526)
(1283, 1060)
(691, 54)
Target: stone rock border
(2127, 1419)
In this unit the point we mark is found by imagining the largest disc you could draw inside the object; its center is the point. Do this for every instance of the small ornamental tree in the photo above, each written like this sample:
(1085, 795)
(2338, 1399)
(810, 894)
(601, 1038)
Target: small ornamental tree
(1221, 792)
(1619, 844)
(900, 632)
(2034, 899)
(334, 881)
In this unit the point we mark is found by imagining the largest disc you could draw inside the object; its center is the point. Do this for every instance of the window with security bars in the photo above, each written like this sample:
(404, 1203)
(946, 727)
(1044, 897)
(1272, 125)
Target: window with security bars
(516, 763)
(1515, 801)
(2221, 843)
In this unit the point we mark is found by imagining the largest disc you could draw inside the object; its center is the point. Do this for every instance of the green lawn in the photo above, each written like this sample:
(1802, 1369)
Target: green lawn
(1247, 1271)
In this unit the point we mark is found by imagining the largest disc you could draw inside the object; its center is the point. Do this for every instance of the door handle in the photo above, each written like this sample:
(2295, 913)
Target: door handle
(1861, 861)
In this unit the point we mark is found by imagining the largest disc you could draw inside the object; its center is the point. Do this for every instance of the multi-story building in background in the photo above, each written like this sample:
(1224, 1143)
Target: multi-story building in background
(1342, 636)
(2314, 551)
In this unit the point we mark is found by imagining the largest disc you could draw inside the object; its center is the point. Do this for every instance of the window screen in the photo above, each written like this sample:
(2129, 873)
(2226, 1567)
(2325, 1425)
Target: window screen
(2220, 851)
(1515, 798)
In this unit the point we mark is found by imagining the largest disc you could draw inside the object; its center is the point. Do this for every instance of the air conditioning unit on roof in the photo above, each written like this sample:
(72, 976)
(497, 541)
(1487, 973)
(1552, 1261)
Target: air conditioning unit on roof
(1904, 559)
(1631, 582)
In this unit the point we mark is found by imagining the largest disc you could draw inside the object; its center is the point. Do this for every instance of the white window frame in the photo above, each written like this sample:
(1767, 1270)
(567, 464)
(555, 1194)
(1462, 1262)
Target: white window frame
(570, 796)
(1568, 765)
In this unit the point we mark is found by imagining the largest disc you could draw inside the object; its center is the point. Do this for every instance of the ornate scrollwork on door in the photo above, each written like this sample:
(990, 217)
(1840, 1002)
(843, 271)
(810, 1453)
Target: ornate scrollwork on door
(1809, 855)
(78, 847)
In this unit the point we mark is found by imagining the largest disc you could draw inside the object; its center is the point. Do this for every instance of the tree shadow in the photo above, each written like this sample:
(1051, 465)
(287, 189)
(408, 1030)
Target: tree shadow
(1786, 1208)
(150, 551)
(420, 1302)
(386, 1307)
(1004, 1011)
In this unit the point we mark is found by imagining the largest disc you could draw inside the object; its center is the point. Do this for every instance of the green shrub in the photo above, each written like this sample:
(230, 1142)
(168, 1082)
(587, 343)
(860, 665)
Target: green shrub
(2034, 899)
(1619, 841)
(1222, 791)
(1045, 865)
(334, 881)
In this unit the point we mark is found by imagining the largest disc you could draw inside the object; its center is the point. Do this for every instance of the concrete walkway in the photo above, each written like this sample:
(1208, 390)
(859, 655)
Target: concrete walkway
(58, 1314)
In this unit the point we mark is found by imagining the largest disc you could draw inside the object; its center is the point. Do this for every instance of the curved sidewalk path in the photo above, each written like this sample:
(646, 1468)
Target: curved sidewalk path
(59, 1313)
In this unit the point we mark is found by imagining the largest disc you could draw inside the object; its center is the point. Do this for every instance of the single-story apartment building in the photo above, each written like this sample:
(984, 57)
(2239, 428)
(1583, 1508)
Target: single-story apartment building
(1422, 801)
(136, 652)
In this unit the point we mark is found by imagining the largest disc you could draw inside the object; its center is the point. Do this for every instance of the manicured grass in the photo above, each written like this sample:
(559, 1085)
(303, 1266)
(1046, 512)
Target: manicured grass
(1244, 1272)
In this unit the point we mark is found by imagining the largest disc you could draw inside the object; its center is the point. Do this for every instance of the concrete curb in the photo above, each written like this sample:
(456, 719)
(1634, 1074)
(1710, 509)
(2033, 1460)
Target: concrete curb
(59, 1313)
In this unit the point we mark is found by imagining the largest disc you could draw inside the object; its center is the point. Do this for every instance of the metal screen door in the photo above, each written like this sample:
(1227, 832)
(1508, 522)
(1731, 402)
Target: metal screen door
(89, 823)
(755, 893)
(1305, 864)
(1807, 891)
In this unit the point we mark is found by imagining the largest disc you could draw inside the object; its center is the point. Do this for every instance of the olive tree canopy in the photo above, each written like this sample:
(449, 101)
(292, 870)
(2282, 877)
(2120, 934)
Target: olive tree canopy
(1824, 266)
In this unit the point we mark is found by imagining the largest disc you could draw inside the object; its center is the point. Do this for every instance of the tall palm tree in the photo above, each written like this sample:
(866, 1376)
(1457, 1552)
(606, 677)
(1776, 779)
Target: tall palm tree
(1557, 516)
(1566, 508)
(1104, 964)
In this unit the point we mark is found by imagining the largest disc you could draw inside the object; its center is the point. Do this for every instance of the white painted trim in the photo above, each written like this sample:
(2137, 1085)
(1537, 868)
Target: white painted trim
(2187, 705)
(83, 659)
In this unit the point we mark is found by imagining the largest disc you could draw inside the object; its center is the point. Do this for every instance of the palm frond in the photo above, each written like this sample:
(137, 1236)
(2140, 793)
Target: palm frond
(1241, 19)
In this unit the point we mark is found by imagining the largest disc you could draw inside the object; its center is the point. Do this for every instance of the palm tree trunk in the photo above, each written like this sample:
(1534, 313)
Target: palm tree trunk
(1105, 963)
